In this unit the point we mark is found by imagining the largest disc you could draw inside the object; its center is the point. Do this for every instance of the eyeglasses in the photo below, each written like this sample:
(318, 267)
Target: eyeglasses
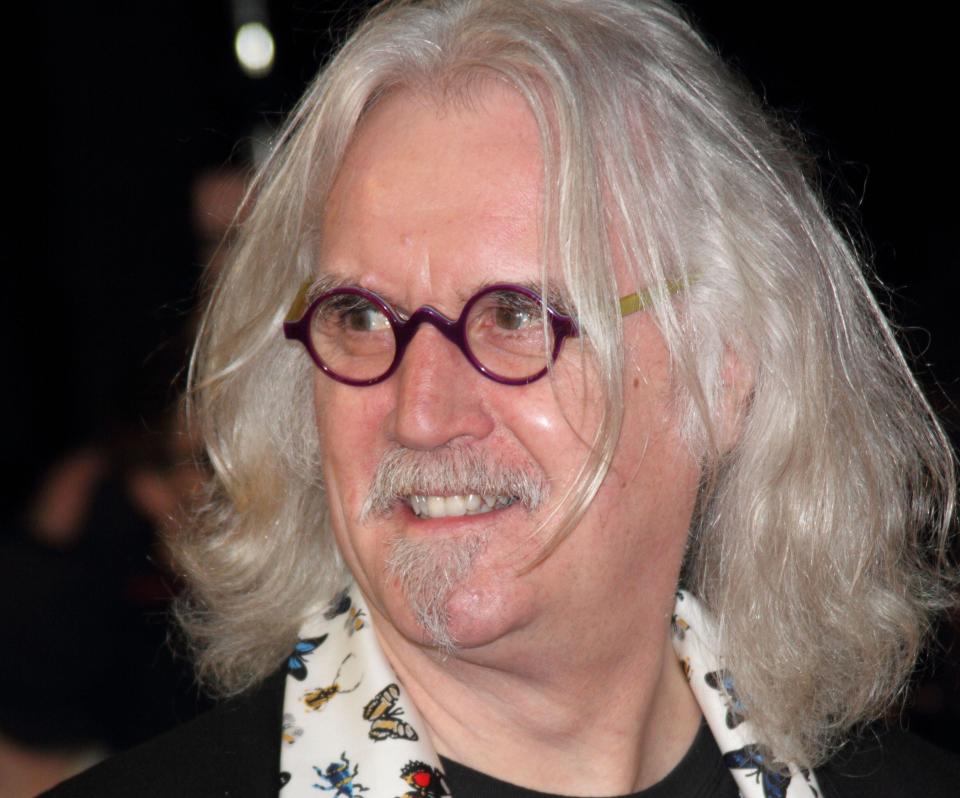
(355, 337)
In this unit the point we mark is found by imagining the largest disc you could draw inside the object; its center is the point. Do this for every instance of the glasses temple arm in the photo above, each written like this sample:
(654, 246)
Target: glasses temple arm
(299, 306)
(638, 300)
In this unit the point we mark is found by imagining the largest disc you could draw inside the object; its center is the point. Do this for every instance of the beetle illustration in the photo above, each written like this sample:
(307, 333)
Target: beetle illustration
(339, 778)
(320, 697)
(427, 781)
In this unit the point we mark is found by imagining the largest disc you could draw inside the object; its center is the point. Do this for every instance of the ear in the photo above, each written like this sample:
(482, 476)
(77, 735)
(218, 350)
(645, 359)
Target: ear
(737, 380)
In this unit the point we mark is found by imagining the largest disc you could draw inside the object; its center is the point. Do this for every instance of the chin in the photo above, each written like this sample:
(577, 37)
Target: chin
(452, 615)
(478, 615)
(453, 591)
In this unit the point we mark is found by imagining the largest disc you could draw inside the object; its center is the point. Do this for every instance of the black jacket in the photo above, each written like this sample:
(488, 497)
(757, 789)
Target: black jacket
(233, 751)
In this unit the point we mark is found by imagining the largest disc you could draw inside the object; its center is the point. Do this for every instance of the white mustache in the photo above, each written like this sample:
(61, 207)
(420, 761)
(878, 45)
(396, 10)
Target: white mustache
(450, 471)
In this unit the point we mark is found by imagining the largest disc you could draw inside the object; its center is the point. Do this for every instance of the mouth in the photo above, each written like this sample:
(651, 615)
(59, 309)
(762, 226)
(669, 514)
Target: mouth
(425, 506)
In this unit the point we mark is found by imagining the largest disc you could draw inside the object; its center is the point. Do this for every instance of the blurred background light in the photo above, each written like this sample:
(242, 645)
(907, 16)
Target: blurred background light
(254, 48)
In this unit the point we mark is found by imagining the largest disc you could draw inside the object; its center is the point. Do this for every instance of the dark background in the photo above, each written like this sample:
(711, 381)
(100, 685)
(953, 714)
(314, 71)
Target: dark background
(138, 98)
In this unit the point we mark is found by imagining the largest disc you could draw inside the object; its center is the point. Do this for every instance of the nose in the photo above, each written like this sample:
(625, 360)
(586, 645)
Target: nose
(439, 395)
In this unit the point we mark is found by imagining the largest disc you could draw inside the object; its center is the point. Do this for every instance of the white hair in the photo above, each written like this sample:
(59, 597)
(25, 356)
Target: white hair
(821, 532)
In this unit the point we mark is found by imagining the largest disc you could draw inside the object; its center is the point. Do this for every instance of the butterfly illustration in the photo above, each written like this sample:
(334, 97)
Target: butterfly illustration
(427, 781)
(384, 716)
(320, 696)
(721, 680)
(755, 758)
(296, 667)
(338, 605)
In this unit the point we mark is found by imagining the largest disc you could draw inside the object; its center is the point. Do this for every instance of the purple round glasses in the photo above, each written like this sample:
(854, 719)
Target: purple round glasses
(500, 329)
(355, 336)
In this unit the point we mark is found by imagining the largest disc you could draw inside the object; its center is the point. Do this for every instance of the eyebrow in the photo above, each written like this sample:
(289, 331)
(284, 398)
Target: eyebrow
(554, 297)
(330, 281)
(327, 282)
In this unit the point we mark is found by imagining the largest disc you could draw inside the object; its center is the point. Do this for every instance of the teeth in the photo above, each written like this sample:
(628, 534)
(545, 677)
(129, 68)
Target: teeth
(458, 504)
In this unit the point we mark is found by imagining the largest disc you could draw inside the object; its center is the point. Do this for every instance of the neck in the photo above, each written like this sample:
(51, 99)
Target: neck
(526, 713)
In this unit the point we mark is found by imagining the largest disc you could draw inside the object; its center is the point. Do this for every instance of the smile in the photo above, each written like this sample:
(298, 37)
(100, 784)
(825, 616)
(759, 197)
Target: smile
(458, 504)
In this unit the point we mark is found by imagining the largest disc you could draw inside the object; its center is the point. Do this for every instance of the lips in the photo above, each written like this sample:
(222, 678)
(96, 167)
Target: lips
(434, 506)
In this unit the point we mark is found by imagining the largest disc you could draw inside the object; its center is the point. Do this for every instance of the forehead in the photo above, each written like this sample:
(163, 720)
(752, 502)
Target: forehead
(430, 193)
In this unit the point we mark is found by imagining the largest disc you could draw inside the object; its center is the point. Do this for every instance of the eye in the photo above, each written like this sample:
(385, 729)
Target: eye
(365, 319)
(511, 318)
(353, 313)
(511, 311)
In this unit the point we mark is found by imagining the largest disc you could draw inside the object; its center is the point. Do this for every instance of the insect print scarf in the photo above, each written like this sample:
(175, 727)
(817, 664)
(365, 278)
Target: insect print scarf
(350, 730)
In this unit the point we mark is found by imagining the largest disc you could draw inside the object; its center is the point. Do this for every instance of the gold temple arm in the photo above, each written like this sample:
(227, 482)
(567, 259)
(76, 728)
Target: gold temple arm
(638, 300)
(299, 306)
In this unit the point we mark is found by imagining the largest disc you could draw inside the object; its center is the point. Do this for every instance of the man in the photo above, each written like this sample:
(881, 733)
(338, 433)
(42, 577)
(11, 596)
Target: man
(578, 333)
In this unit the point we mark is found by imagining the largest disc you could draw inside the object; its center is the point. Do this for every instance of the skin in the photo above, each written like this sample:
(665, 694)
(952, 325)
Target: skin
(574, 655)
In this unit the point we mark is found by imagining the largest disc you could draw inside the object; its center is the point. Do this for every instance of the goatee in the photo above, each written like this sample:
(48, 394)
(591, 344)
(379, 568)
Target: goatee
(429, 570)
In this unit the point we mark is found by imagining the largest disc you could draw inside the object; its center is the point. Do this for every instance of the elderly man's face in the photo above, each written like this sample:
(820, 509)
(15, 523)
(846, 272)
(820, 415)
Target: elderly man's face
(433, 203)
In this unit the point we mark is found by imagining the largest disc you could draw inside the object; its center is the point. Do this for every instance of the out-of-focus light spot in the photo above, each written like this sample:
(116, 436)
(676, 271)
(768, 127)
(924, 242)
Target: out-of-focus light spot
(254, 47)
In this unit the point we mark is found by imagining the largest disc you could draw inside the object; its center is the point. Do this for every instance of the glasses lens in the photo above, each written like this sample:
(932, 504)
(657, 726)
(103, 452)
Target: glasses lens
(506, 333)
(352, 336)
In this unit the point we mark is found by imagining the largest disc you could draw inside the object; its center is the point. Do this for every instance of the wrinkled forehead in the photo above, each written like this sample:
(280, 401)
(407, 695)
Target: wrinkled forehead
(438, 196)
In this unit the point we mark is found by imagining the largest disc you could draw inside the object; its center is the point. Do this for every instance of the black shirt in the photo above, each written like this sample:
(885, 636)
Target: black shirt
(233, 751)
(700, 774)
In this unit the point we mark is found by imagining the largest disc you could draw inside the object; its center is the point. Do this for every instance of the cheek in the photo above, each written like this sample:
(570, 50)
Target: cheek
(555, 421)
(653, 474)
(348, 432)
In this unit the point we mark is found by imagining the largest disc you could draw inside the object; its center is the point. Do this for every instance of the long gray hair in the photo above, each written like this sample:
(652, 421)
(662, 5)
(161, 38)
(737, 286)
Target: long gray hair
(820, 539)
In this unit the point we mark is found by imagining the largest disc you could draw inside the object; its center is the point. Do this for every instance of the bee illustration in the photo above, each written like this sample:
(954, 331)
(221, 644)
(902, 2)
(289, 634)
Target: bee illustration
(427, 781)
(284, 778)
(318, 698)
(686, 668)
(338, 605)
(721, 680)
(756, 758)
(339, 778)
(296, 666)
(354, 621)
(679, 626)
(384, 717)
(290, 731)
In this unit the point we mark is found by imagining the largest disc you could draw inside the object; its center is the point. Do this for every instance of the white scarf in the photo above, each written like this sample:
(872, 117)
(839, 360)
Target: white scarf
(350, 730)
